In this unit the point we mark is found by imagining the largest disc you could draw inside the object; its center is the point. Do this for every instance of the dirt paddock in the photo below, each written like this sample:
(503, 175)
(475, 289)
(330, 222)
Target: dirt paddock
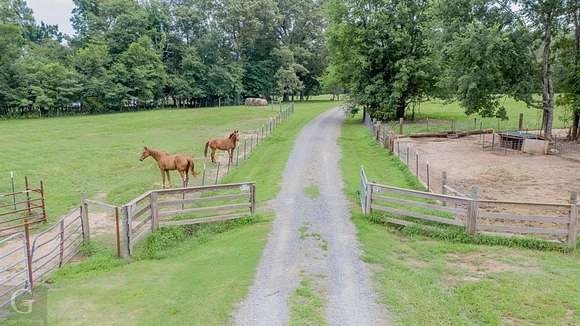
(514, 176)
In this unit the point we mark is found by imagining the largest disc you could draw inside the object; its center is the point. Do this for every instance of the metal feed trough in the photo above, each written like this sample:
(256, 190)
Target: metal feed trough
(515, 139)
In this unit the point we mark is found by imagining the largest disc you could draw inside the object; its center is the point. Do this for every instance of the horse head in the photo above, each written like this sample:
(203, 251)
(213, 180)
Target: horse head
(146, 153)
(234, 136)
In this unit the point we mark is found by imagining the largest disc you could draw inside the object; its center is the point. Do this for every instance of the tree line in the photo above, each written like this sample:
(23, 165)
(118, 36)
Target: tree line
(393, 54)
(130, 54)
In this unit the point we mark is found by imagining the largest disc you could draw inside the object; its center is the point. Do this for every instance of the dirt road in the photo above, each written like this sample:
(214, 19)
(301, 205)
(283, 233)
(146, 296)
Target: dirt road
(313, 238)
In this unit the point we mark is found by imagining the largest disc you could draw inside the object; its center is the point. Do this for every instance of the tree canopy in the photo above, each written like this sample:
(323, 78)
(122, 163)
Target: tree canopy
(391, 53)
(130, 54)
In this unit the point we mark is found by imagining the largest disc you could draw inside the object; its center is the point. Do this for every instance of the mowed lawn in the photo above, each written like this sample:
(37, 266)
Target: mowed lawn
(441, 113)
(423, 281)
(196, 281)
(99, 154)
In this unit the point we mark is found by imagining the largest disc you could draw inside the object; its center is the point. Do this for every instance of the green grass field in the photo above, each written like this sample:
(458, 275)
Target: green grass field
(440, 115)
(175, 278)
(428, 282)
(99, 154)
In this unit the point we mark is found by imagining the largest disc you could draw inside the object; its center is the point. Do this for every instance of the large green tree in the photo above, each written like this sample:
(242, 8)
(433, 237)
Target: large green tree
(380, 51)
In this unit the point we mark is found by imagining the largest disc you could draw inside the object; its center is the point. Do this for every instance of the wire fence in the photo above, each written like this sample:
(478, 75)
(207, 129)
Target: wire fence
(214, 173)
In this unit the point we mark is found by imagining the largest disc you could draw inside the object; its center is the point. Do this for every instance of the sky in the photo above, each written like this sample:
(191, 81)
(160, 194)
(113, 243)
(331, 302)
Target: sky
(53, 12)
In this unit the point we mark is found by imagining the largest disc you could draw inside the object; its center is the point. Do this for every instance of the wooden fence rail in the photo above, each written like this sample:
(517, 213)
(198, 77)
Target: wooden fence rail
(406, 207)
(182, 206)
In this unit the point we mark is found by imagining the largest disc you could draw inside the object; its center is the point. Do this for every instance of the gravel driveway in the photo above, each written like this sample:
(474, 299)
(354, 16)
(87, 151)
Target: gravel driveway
(313, 238)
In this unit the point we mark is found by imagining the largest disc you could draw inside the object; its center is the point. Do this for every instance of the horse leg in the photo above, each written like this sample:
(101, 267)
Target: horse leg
(213, 155)
(163, 178)
(183, 178)
(168, 179)
(230, 153)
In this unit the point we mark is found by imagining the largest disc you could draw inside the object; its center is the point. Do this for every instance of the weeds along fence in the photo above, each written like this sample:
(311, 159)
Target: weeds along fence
(406, 207)
(246, 145)
(22, 207)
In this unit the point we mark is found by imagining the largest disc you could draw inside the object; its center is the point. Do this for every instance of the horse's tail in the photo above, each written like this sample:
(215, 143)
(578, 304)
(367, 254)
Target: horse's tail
(206, 146)
(193, 173)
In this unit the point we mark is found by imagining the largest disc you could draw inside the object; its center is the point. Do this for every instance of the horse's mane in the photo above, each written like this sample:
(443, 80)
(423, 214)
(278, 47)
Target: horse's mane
(157, 151)
(232, 135)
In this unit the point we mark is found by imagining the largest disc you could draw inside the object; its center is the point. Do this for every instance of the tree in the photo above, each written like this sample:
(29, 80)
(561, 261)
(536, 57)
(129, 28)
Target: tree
(545, 16)
(141, 71)
(380, 51)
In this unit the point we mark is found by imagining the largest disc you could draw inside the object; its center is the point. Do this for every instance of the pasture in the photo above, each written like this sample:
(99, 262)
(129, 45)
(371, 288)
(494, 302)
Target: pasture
(425, 281)
(182, 275)
(438, 115)
(99, 155)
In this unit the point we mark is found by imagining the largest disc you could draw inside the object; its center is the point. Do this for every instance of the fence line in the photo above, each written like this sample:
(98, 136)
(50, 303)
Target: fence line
(246, 145)
(407, 207)
(21, 207)
(26, 259)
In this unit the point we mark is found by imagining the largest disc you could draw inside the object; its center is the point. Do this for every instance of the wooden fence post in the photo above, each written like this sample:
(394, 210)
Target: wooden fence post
(85, 218)
(369, 199)
(125, 231)
(117, 232)
(203, 175)
(401, 121)
(407, 155)
(443, 185)
(237, 155)
(521, 122)
(417, 164)
(244, 157)
(573, 220)
(428, 178)
(28, 254)
(472, 211)
(61, 243)
(154, 198)
(253, 199)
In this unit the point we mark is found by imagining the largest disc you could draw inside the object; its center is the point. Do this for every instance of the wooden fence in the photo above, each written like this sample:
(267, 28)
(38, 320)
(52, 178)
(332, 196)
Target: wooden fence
(406, 207)
(180, 206)
(18, 208)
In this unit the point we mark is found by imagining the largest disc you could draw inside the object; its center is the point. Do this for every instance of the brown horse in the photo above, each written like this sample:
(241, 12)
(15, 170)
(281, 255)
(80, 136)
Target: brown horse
(227, 144)
(168, 162)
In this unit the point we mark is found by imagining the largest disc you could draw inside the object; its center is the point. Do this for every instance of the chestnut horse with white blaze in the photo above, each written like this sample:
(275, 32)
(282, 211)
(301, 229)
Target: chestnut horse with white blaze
(167, 162)
(227, 144)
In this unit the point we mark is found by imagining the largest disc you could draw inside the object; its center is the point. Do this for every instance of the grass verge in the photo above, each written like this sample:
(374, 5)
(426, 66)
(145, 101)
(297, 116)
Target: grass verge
(181, 275)
(266, 164)
(425, 281)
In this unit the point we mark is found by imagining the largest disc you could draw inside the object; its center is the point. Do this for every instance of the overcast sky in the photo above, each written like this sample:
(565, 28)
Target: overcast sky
(53, 12)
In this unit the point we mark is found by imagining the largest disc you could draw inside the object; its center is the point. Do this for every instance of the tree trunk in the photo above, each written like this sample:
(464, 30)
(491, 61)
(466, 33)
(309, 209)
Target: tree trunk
(576, 104)
(547, 86)
(401, 104)
(575, 121)
(286, 98)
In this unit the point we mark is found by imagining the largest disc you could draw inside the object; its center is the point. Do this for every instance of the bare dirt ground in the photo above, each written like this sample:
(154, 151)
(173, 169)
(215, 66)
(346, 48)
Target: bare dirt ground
(514, 176)
(313, 237)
